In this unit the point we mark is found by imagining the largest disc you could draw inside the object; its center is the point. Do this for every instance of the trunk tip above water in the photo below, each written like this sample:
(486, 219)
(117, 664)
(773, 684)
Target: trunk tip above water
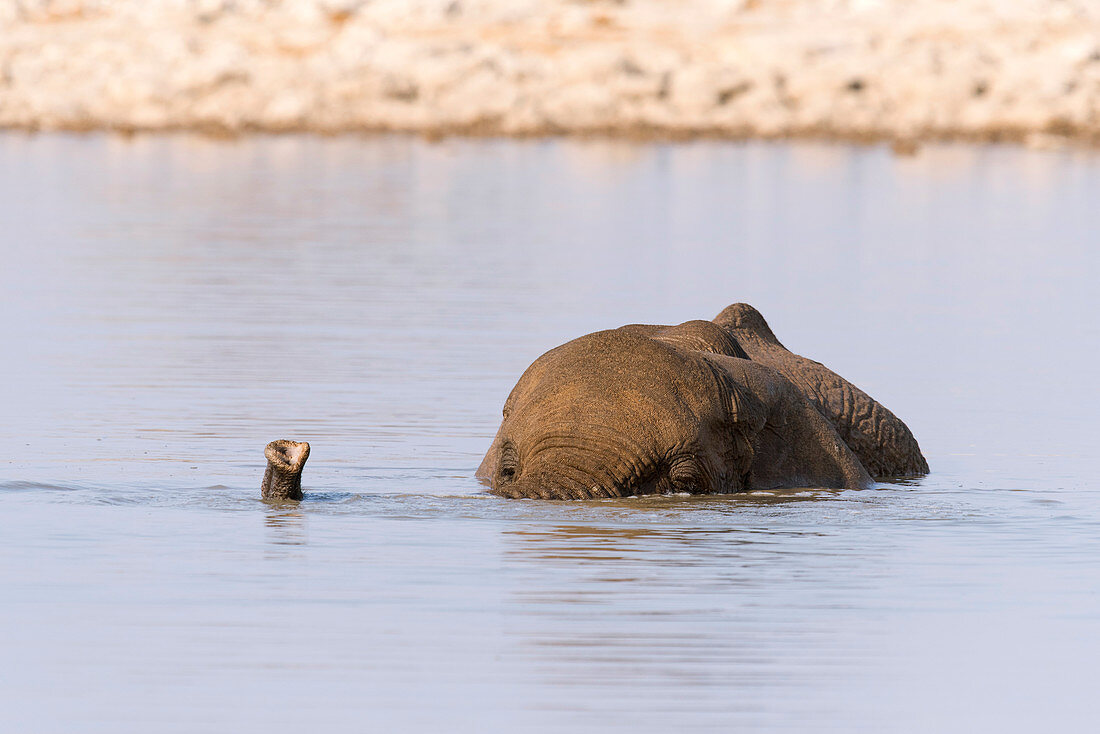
(285, 461)
(289, 455)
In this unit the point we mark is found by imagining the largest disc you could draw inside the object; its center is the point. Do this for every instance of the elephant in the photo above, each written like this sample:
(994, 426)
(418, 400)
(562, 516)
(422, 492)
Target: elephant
(705, 407)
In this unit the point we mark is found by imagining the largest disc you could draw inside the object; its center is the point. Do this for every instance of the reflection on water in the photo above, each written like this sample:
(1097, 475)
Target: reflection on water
(286, 525)
(179, 302)
(698, 616)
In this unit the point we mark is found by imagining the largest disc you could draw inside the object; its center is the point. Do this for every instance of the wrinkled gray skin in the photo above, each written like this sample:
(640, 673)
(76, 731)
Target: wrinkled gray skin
(704, 407)
(283, 478)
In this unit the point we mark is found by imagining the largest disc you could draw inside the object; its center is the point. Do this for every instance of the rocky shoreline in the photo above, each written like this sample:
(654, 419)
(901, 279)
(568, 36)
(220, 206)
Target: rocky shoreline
(864, 70)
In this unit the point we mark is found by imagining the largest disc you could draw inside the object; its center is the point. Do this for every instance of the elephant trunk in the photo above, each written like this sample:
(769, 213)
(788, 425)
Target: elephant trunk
(283, 478)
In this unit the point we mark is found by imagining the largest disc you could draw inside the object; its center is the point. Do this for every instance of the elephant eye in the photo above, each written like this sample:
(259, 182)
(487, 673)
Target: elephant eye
(686, 476)
(509, 463)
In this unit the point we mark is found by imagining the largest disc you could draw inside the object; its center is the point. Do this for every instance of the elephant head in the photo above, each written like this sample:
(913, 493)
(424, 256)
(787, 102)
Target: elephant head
(652, 409)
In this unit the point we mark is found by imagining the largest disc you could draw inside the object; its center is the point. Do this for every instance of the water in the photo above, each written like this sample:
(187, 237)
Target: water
(171, 304)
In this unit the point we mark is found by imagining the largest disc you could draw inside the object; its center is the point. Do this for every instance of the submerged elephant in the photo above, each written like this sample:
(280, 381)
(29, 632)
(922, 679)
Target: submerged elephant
(704, 407)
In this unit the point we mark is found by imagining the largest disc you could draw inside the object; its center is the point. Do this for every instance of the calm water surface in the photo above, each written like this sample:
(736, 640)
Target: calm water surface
(171, 304)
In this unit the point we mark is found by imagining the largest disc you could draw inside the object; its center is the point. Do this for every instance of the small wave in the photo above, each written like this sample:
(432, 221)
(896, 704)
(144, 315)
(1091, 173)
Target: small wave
(25, 486)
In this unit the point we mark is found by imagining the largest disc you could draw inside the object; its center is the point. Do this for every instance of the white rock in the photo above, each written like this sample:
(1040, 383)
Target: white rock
(842, 67)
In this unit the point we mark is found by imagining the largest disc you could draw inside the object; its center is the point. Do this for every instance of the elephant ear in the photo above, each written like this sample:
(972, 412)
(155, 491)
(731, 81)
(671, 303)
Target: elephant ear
(791, 443)
(746, 415)
(746, 412)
